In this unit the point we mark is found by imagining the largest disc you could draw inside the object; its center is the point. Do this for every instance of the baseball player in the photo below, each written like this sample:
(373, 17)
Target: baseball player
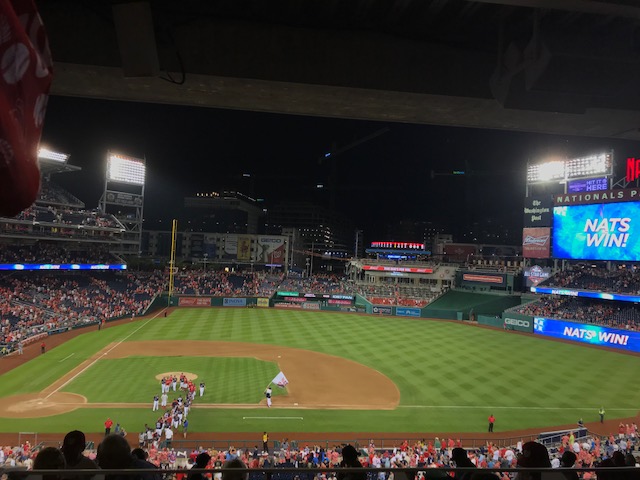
(163, 399)
(267, 394)
(201, 388)
(174, 382)
(155, 403)
(159, 428)
(162, 385)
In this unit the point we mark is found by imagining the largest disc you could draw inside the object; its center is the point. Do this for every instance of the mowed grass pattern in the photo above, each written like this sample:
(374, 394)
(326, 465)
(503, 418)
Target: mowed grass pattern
(451, 376)
(132, 379)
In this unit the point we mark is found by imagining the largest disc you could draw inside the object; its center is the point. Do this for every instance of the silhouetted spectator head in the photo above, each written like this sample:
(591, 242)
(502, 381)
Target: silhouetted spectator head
(73, 445)
(349, 454)
(568, 459)
(604, 475)
(114, 452)
(534, 455)
(459, 455)
(240, 471)
(49, 458)
(139, 453)
(202, 460)
(618, 459)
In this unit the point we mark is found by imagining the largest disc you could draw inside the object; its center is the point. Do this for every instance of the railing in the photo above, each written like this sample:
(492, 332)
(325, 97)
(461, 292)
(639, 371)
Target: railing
(14, 473)
(381, 444)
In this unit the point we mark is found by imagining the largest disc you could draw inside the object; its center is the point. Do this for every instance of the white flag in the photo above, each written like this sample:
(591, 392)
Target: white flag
(280, 380)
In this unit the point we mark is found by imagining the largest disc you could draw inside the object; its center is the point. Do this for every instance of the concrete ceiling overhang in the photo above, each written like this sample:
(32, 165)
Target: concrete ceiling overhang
(573, 69)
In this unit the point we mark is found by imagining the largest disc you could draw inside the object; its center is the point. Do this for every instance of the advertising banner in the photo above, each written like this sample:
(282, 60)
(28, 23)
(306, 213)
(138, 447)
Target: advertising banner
(588, 333)
(244, 248)
(234, 302)
(262, 302)
(607, 196)
(383, 268)
(536, 242)
(537, 211)
(271, 250)
(622, 297)
(520, 323)
(194, 302)
(588, 185)
(287, 305)
(230, 246)
(339, 302)
(609, 231)
(479, 278)
(311, 306)
(126, 199)
(535, 274)
(407, 312)
(382, 310)
(295, 299)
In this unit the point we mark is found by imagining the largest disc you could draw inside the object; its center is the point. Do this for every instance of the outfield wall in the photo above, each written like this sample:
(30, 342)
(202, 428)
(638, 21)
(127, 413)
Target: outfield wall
(453, 305)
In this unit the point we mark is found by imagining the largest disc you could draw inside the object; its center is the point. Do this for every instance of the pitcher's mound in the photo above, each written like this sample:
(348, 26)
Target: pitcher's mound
(37, 405)
(189, 375)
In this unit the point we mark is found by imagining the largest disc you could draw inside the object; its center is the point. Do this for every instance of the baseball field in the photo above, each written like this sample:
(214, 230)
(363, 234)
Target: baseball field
(346, 373)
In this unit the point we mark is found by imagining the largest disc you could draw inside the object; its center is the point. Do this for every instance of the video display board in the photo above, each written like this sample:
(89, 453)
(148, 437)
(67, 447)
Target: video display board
(588, 185)
(602, 231)
(588, 333)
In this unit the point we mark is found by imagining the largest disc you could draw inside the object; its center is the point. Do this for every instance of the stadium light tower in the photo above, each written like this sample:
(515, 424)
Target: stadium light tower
(46, 154)
(123, 197)
(562, 171)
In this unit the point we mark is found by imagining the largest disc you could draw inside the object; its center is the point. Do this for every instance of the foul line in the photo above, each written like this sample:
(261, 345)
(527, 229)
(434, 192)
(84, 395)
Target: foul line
(68, 356)
(273, 418)
(511, 407)
(92, 363)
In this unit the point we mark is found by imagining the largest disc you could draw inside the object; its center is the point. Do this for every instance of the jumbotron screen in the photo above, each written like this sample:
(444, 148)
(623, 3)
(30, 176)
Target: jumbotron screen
(602, 231)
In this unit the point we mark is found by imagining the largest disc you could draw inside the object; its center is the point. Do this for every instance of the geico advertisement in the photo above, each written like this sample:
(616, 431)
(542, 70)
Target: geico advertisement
(586, 333)
(608, 231)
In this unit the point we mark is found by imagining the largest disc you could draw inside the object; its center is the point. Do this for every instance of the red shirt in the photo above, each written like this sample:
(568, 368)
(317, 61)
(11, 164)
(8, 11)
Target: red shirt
(108, 423)
(492, 419)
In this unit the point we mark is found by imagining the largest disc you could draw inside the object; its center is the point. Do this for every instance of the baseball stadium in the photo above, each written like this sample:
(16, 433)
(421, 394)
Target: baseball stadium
(462, 351)
(242, 342)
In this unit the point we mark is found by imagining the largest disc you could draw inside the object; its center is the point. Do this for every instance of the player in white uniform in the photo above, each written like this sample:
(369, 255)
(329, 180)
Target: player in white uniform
(267, 394)
(155, 402)
(201, 388)
(163, 399)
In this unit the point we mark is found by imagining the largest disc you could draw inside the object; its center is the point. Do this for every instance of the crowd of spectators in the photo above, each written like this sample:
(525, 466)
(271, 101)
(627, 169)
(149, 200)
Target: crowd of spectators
(621, 280)
(399, 295)
(39, 303)
(48, 252)
(68, 217)
(616, 450)
(217, 283)
(319, 283)
(601, 312)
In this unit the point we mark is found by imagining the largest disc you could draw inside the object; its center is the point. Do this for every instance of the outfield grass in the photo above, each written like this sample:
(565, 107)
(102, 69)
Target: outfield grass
(451, 376)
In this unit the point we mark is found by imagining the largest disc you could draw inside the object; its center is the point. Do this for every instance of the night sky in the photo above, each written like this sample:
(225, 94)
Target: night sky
(388, 178)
